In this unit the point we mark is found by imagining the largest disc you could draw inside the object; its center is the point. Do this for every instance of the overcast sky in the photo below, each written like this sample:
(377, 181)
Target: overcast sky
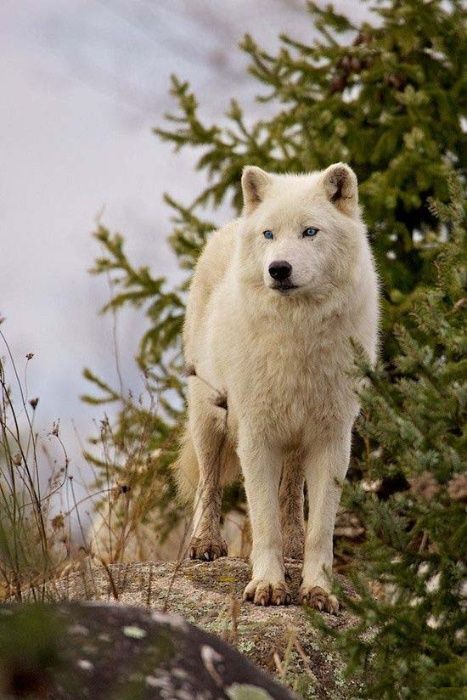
(83, 82)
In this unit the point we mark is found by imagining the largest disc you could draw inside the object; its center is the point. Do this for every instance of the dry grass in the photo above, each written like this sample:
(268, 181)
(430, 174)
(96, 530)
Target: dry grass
(35, 537)
(46, 529)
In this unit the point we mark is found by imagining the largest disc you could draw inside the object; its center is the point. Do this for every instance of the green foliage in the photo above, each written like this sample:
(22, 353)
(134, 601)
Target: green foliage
(137, 288)
(133, 456)
(410, 639)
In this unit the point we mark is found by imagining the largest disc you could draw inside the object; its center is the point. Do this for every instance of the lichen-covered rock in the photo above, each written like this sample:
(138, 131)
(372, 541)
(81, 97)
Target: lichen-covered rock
(114, 652)
(282, 640)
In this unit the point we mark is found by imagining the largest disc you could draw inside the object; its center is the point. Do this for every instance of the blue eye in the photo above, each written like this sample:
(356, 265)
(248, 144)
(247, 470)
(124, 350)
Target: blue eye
(268, 234)
(310, 232)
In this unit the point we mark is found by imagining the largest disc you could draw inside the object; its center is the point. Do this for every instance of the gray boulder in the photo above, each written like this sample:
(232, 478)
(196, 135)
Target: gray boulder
(106, 652)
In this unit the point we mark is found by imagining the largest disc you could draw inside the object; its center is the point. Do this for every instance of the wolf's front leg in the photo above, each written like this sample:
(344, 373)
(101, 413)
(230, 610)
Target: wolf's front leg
(325, 470)
(261, 467)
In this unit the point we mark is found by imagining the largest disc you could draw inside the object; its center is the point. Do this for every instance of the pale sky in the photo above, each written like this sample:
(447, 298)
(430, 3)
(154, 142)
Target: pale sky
(82, 83)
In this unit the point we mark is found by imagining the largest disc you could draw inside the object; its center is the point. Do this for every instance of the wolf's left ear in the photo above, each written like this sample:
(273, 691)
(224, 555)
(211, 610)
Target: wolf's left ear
(255, 183)
(341, 188)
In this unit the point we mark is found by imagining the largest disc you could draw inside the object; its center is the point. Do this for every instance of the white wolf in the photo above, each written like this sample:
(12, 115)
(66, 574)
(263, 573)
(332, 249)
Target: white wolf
(275, 300)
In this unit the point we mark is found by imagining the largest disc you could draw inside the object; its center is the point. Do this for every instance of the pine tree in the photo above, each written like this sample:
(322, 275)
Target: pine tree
(386, 96)
(410, 637)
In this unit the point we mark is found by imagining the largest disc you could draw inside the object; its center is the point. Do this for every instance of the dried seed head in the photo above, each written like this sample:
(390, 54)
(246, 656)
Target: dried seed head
(118, 490)
(58, 522)
(33, 403)
(30, 355)
(17, 459)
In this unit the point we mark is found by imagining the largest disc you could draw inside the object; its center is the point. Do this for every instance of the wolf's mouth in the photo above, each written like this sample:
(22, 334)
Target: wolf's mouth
(284, 287)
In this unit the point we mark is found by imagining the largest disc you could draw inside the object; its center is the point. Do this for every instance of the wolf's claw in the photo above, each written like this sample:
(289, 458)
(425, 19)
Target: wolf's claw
(262, 592)
(207, 549)
(317, 597)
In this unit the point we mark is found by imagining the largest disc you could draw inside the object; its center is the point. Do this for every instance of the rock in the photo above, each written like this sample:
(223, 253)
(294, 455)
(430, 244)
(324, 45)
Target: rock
(99, 651)
(281, 640)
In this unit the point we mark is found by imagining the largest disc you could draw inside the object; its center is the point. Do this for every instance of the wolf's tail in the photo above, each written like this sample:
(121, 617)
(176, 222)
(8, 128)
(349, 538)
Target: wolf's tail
(186, 469)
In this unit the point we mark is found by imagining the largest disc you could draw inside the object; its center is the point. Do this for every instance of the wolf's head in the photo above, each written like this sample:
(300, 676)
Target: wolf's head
(301, 234)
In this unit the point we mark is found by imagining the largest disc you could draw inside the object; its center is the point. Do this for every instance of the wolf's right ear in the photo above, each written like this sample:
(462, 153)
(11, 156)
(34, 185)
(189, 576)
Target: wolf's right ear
(255, 183)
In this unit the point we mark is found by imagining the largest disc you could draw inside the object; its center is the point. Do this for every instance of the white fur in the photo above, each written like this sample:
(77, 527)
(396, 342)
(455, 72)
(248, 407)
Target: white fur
(283, 357)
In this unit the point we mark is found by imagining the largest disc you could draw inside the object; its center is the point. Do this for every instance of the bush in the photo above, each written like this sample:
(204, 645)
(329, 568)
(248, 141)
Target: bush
(410, 637)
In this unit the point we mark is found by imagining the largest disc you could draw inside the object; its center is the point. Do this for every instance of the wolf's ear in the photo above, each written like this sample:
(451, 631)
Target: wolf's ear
(341, 188)
(255, 183)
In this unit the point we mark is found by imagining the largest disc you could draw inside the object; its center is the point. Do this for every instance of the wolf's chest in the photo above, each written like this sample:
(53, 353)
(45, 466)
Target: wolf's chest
(305, 374)
(288, 379)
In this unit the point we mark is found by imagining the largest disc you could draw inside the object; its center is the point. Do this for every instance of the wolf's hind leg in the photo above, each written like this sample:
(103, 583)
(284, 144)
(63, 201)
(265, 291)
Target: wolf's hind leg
(291, 500)
(207, 423)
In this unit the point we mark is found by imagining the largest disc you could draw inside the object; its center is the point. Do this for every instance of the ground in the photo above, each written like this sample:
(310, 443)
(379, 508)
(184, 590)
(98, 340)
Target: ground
(282, 640)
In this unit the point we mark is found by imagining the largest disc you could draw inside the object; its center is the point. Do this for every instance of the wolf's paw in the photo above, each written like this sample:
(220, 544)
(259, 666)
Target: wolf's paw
(317, 597)
(262, 592)
(207, 548)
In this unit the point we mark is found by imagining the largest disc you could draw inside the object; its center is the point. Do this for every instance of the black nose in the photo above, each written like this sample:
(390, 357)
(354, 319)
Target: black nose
(280, 270)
